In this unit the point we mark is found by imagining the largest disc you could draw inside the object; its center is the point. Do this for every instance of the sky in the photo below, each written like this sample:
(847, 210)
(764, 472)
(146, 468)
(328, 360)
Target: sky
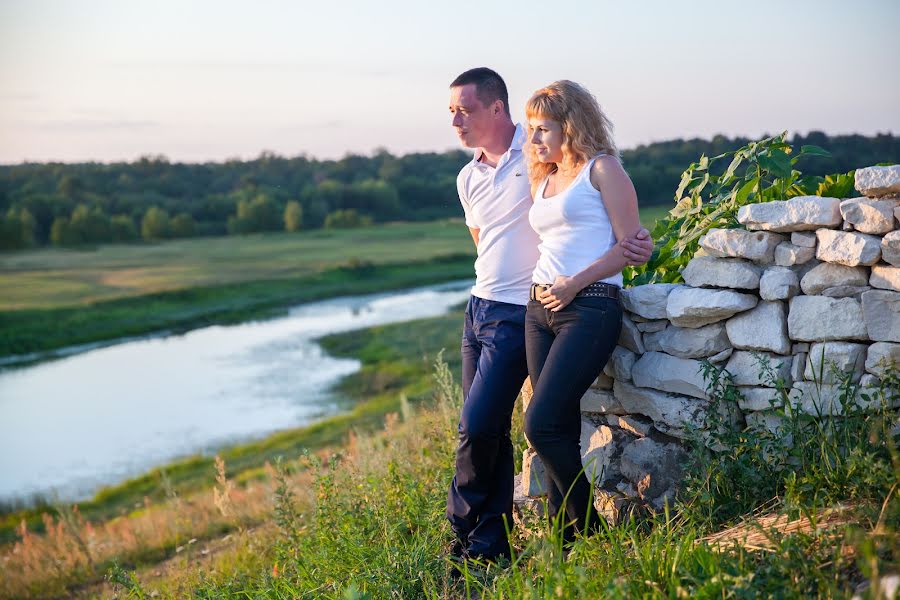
(197, 80)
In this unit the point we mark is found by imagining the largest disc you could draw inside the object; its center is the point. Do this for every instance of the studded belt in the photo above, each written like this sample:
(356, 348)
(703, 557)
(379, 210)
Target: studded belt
(598, 289)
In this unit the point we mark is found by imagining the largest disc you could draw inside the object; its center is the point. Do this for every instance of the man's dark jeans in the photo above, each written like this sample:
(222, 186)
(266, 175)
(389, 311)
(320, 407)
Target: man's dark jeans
(567, 350)
(479, 504)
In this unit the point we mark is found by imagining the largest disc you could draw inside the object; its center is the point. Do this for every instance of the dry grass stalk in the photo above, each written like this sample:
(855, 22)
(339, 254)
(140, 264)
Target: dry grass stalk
(761, 533)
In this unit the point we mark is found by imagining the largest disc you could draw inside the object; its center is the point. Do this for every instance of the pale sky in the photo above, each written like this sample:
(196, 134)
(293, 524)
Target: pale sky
(112, 80)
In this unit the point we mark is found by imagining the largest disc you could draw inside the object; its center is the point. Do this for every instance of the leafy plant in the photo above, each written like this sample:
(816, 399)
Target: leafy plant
(709, 197)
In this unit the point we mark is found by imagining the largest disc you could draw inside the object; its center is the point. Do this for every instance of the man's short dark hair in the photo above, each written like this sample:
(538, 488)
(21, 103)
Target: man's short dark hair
(489, 86)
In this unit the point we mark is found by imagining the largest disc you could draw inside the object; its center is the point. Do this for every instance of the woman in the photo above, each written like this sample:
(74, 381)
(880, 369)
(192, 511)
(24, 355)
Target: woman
(583, 203)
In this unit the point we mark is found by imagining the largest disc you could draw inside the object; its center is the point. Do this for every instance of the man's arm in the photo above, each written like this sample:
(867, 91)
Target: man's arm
(475, 233)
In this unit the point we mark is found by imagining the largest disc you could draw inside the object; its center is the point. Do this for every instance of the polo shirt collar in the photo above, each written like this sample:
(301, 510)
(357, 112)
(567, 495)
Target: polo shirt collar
(516, 144)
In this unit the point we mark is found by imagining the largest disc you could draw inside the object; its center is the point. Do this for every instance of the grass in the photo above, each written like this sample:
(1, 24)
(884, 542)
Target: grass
(363, 518)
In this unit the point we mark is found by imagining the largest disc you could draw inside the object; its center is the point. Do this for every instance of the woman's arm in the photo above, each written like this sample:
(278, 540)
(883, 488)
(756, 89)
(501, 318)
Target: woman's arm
(620, 200)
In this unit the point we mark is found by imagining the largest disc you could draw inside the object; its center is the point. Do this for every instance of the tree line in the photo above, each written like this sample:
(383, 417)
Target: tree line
(152, 198)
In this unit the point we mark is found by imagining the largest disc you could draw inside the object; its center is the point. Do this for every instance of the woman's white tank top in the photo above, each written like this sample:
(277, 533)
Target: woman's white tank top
(574, 228)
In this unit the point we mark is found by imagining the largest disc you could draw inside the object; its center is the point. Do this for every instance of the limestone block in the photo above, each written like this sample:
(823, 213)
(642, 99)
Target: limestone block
(533, 474)
(603, 382)
(655, 468)
(890, 248)
(763, 327)
(669, 374)
(693, 307)
(634, 424)
(802, 213)
(787, 254)
(869, 216)
(885, 277)
(759, 398)
(850, 249)
(757, 246)
(721, 356)
(869, 381)
(622, 360)
(671, 413)
(798, 366)
(601, 401)
(686, 342)
(878, 181)
(778, 283)
(706, 271)
(806, 239)
(759, 368)
(826, 275)
(881, 310)
(648, 301)
(599, 452)
(846, 291)
(881, 356)
(814, 399)
(766, 421)
(652, 326)
(630, 337)
(819, 319)
(825, 357)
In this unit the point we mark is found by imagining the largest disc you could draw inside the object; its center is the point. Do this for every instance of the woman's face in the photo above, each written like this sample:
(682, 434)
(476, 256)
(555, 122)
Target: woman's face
(547, 138)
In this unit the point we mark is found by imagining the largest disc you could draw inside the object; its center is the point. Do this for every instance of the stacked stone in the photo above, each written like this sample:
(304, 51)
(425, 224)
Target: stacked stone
(809, 284)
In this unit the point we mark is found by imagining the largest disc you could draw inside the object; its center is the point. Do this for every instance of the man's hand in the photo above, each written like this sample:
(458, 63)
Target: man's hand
(638, 248)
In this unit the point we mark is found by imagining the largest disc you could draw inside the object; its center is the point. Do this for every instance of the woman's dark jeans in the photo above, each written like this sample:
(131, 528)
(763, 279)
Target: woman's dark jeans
(566, 351)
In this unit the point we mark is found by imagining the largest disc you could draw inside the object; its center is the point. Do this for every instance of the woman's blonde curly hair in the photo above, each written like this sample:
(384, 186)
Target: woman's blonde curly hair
(586, 130)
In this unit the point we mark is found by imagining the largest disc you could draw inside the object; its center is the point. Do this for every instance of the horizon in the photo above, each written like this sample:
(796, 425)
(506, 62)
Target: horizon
(211, 82)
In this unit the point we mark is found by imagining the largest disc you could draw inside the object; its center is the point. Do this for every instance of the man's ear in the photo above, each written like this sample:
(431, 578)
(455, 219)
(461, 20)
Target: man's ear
(497, 107)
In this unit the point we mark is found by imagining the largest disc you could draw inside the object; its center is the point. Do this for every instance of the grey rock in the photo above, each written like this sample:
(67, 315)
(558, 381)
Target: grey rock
(882, 356)
(706, 271)
(799, 347)
(850, 249)
(630, 337)
(603, 382)
(693, 307)
(622, 360)
(869, 381)
(885, 277)
(826, 357)
(671, 413)
(802, 213)
(819, 319)
(759, 398)
(600, 450)
(806, 239)
(827, 275)
(648, 301)
(878, 181)
(869, 216)
(846, 291)
(814, 399)
(890, 248)
(763, 327)
(798, 366)
(778, 283)
(652, 326)
(787, 254)
(757, 246)
(601, 401)
(533, 474)
(753, 368)
(634, 424)
(669, 374)
(721, 356)
(654, 467)
(687, 342)
(881, 311)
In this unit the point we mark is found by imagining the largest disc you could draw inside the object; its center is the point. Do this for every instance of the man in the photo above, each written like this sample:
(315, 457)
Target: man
(495, 194)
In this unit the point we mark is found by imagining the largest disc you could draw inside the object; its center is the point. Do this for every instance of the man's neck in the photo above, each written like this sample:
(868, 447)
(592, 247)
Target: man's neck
(491, 153)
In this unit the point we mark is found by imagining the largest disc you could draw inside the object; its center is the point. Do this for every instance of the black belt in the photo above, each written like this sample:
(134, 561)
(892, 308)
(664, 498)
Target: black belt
(598, 289)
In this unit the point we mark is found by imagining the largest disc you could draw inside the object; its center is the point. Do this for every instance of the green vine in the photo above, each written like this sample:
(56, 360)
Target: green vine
(709, 197)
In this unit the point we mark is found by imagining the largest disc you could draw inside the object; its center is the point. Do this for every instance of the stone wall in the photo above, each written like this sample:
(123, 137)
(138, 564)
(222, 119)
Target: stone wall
(808, 284)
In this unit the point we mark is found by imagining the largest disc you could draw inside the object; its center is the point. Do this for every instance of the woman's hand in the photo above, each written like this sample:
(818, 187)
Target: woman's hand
(639, 248)
(560, 294)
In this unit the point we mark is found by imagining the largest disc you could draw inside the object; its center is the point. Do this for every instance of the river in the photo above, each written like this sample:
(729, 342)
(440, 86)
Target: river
(75, 424)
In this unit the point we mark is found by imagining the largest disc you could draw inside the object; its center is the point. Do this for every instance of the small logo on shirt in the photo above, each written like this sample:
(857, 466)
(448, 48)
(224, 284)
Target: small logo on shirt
(518, 174)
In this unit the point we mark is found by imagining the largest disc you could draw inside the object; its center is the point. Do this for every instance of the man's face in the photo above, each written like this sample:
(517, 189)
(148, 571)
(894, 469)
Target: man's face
(471, 119)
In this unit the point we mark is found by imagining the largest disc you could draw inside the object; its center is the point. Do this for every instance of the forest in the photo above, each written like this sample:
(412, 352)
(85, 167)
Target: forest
(152, 198)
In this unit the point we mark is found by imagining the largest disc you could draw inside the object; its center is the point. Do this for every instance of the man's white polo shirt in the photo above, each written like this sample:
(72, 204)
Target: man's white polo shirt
(496, 201)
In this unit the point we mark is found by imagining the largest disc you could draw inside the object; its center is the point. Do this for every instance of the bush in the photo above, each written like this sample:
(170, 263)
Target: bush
(346, 219)
(155, 224)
